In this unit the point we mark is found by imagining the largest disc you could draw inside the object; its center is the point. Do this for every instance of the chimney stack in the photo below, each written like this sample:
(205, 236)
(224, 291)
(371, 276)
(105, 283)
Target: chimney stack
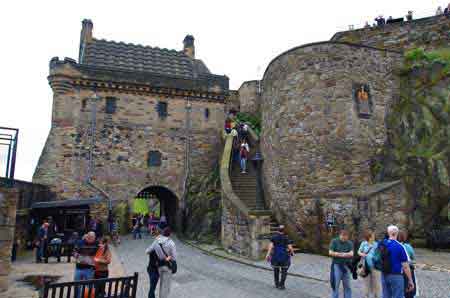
(86, 31)
(188, 46)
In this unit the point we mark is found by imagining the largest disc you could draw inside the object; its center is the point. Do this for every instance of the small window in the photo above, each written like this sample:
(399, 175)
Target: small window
(154, 159)
(206, 113)
(162, 109)
(111, 105)
(83, 104)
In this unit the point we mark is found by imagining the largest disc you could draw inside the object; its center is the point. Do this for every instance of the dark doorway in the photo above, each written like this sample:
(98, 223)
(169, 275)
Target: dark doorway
(168, 202)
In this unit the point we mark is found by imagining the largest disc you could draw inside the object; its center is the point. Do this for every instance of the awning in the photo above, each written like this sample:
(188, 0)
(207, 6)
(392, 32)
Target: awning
(66, 203)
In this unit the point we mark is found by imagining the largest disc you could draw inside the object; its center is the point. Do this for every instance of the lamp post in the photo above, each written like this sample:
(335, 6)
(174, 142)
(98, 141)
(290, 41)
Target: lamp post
(257, 162)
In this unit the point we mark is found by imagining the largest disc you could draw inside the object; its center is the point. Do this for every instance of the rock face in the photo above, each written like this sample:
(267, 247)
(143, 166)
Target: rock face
(428, 33)
(8, 203)
(323, 112)
(145, 117)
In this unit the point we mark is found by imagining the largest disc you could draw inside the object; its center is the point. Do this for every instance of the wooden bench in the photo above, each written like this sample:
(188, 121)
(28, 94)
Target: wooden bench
(118, 287)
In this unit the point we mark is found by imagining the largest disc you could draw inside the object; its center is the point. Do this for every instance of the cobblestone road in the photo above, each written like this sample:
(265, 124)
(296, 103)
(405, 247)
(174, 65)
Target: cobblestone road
(204, 276)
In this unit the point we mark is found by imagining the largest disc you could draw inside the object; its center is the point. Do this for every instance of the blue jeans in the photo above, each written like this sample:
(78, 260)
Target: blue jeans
(82, 274)
(154, 277)
(137, 233)
(344, 276)
(243, 164)
(40, 251)
(393, 285)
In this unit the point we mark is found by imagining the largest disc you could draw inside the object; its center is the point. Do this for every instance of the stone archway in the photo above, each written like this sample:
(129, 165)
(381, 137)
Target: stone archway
(168, 202)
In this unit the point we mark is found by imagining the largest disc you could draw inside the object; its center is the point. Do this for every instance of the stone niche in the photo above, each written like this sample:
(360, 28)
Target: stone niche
(319, 134)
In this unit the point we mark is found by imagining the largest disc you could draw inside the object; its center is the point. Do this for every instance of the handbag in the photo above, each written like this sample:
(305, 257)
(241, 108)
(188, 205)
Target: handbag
(172, 264)
(362, 268)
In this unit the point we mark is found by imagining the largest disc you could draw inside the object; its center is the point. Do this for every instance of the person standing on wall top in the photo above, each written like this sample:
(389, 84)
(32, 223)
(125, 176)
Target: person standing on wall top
(447, 11)
(372, 280)
(244, 152)
(391, 258)
(439, 11)
(279, 255)
(380, 21)
(409, 16)
(403, 239)
(341, 250)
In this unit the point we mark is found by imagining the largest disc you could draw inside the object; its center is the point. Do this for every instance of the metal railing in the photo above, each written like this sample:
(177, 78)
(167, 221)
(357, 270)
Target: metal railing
(119, 287)
(8, 139)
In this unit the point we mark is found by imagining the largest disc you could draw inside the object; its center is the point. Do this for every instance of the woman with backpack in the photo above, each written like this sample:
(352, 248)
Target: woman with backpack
(366, 269)
(243, 154)
(279, 255)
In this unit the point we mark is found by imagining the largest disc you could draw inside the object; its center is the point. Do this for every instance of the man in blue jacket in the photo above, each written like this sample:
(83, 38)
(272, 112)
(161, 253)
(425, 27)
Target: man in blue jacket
(397, 259)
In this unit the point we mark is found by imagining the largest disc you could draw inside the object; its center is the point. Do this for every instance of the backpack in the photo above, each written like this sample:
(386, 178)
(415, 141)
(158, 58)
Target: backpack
(382, 258)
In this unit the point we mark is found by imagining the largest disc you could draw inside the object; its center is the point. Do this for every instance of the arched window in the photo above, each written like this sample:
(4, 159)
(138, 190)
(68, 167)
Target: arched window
(111, 105)
(154, 158)
(206, 113)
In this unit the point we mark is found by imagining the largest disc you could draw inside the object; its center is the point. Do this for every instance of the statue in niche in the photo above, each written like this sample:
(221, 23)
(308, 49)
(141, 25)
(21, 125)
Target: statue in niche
(363, 100)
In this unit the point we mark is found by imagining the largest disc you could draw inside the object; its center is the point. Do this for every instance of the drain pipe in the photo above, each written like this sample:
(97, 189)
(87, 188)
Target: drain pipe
(90, 172)
(187, 161)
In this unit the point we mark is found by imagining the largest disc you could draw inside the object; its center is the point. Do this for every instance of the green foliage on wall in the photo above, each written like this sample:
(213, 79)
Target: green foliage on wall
(122, 213)
(253, 121)
(419, 131)
(203, 202)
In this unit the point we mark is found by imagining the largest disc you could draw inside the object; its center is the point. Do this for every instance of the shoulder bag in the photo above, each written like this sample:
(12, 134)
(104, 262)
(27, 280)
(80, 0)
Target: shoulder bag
(172, 264)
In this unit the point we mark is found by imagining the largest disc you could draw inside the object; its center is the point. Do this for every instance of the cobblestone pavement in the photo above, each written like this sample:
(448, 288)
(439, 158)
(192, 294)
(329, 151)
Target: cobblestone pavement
(433, 279)
(204, 276)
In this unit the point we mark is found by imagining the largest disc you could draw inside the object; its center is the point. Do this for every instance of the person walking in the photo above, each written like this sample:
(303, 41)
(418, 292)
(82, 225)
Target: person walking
(84, 253)
(341, 250)
(279, 255)
(403, 239)
(42, 241)
(165, 249)
(243, 155)
(372, 280)
(137, 227)
(394, 263)
(102, 259)
(153, 265)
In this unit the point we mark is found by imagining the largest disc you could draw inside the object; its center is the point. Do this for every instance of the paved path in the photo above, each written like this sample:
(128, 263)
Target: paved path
(204, 276)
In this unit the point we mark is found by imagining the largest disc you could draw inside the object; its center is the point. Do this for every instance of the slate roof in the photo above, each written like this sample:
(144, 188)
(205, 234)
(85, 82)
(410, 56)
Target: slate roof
(132, 57)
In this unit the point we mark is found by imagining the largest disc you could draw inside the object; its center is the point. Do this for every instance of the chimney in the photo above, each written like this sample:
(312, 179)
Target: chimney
(188, 46)
(85, 37)
(86, 31)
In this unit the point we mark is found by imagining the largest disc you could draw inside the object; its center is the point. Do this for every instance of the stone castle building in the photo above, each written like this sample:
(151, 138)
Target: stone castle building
(129, 118)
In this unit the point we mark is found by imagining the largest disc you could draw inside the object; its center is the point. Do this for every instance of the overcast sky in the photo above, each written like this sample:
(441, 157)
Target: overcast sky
(235, 38)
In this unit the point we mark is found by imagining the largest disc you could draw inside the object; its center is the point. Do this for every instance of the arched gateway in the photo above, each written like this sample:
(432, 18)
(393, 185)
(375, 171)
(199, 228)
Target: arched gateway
(168, 203)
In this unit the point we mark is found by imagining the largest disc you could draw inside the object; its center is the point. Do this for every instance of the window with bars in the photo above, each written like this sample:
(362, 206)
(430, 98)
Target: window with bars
(111, 105)
(162, 109)
(154, 158)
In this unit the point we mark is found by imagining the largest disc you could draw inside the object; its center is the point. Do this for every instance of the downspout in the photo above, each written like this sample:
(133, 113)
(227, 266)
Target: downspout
(187, 161)
(90, 172)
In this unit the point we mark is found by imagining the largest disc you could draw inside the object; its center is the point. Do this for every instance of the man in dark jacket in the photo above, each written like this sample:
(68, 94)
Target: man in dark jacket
(84, 253)
(42, 241)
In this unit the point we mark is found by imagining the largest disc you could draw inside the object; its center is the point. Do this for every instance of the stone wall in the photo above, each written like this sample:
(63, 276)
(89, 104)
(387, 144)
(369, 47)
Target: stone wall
(8, 203)
(118, 161)
(316, 138)
(428, 33)
(249, 97)
(232, 102)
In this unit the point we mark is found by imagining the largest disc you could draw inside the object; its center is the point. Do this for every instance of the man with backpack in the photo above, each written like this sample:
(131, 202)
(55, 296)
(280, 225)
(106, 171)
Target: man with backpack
(153, 266)
(341, 250)
(165, 249)
(392, 259)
